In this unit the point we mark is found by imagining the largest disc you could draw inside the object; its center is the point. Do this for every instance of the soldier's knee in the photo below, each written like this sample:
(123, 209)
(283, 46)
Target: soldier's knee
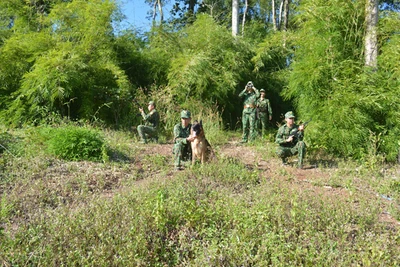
(301, 144)
(279, 153)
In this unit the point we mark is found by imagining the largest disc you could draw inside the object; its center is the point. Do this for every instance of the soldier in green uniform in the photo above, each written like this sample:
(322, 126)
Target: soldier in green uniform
(250, 95)
(149, 129)
(182, 149)
(264, 112)
(290, 140)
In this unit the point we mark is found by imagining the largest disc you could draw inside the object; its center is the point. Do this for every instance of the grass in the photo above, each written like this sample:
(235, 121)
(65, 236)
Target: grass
(134, 210)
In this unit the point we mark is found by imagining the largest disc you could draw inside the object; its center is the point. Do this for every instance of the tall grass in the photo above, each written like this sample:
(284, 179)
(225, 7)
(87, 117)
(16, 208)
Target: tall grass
(137, 212)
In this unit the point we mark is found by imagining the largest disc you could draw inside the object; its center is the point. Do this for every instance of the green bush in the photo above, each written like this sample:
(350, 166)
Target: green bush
(75, 143)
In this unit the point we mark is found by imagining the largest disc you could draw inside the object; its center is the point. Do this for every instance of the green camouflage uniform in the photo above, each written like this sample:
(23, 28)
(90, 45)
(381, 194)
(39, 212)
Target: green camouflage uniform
(249, 112)
(264, 112)
(286, 149)
(149, 129)
(182, 150)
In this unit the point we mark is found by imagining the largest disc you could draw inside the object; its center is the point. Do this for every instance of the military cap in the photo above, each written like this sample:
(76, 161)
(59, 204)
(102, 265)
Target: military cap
(185, 114)
(289, 114)
(262, 91)
(151, 103)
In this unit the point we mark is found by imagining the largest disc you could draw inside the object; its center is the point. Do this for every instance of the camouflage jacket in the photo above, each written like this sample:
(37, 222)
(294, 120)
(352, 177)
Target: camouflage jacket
(151, 119)
(250, 98)
(180, 133)
(264, 105)
(284, 132)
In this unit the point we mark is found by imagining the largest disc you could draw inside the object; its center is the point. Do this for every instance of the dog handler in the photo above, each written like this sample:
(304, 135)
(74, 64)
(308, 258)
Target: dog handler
(182, 149)
(250, 95)
(149, 129)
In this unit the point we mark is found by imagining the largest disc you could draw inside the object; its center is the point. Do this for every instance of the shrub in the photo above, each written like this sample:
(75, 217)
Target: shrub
(76, 143)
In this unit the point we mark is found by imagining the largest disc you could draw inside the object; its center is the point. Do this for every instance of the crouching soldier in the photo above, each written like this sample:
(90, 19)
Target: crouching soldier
(149, 129)
(290, 140)
(182, 149)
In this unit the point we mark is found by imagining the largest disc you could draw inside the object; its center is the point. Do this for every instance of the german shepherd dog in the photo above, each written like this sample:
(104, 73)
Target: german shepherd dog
(201, 148)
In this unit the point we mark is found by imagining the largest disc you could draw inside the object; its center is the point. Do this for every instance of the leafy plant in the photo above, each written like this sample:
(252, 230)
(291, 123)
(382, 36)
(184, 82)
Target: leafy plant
(76, 143)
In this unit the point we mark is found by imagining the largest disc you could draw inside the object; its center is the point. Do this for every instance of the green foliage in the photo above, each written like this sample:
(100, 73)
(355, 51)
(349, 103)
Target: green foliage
(170, 110)
(76, 143)
(200, 220)
(69, 58)
(225, 213)
(329, 83)
(210, 64)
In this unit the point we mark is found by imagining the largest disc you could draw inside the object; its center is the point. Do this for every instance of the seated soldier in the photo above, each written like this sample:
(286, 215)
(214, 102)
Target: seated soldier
(182, 149)
(290, 140)
(149, 129)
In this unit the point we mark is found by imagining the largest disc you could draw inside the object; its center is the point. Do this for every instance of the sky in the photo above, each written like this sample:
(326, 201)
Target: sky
(136, 12)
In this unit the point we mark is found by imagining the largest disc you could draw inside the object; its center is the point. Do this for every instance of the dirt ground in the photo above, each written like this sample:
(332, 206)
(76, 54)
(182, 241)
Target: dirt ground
(303, 179)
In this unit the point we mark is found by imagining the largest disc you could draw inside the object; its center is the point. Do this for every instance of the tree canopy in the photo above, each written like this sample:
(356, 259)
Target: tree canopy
(66, 57)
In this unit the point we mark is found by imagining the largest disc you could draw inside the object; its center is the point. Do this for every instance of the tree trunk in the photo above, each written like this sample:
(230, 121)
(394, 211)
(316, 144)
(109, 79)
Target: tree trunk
(280, 15)
(154, 10)
(285, 14)
(235, 17)
(160, 10)
(246, 7)
(371, 38)
(273, 15)
(158, 4)
(192, 4)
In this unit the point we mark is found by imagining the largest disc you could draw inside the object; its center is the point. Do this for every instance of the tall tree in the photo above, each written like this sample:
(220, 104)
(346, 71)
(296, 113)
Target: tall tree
(157, 4)
(246, 8)
(273, 15)
(371, 35)
(235, 17)
(286, 7)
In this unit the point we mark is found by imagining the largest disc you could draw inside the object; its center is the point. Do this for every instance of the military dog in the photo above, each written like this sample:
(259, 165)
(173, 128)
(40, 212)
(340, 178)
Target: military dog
(201, 148)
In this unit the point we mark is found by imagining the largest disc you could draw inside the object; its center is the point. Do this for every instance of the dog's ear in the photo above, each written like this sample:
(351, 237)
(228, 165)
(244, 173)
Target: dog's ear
(201, 123)
(195, 122)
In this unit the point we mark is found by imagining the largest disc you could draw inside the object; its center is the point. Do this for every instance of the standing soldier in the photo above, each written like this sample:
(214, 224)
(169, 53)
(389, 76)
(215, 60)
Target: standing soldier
(250, 94)
(290, 140)
(149, 129)
(182, 149)
(264, 112)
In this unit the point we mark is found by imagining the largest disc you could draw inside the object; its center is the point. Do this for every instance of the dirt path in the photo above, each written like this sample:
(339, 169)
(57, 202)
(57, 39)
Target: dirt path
(310, 179)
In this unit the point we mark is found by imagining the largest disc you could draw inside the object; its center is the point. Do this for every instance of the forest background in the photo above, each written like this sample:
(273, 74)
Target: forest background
(336, 62)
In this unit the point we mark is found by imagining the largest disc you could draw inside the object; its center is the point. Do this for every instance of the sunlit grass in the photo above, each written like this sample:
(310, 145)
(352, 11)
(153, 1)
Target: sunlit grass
(135, 210)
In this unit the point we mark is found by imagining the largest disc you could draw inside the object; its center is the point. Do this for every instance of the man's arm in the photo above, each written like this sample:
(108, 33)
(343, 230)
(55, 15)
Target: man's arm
(279, 139)
(179, 137)
(269, 109)
(242, 93)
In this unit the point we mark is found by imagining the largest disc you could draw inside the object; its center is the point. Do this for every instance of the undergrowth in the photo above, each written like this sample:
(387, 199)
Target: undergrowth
(133, 210)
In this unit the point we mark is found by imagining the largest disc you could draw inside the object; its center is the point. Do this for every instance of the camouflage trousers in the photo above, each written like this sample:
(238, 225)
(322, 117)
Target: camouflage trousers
(249, 125)
(182, 152)
(285, 152)
(262, 122)
(147, 132)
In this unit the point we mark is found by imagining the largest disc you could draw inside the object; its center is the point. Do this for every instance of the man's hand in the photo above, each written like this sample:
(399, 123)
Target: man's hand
(270, 118)
(301, 127)
(190, 138)
(141, 110)
(290, 139)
